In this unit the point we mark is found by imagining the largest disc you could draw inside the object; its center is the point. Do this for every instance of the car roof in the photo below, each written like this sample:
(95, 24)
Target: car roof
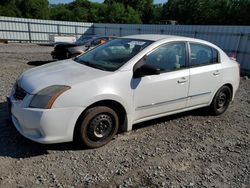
(152, 37)
(159, 37)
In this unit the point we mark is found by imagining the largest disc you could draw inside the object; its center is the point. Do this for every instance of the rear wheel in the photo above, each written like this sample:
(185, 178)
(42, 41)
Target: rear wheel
(221, 100)
(99, 126)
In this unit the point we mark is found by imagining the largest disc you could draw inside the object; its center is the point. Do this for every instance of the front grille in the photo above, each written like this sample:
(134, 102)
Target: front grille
(60, 49)
(19, 93)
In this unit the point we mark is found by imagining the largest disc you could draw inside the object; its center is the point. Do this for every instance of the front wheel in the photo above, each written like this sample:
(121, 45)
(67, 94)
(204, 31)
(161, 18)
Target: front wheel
(99, 126)
(221, 100)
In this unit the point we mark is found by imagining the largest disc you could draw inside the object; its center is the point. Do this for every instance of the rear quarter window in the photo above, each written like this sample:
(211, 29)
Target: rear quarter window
(203, 55)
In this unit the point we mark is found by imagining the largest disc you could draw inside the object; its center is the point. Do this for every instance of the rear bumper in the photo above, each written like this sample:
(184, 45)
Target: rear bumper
(45, 125)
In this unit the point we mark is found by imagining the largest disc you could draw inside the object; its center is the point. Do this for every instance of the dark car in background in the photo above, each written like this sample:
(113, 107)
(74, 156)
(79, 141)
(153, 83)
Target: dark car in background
(83, 44)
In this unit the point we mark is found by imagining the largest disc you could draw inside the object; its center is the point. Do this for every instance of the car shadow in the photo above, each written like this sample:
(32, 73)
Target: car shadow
(14, 145)
(39, 63)
(197, 112)
(46, 44)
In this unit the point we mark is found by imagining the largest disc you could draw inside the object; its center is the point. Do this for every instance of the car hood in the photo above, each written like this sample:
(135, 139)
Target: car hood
(67, 72)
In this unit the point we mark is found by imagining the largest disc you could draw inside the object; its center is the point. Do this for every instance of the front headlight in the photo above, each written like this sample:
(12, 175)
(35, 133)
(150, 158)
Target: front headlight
(47, 96)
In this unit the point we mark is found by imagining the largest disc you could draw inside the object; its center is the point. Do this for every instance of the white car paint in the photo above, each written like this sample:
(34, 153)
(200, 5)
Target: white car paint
(143, 99)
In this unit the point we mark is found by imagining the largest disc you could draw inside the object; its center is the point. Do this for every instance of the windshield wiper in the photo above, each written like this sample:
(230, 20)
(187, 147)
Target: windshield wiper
(84, 62)
(93, 65)
(76, 59)
(98, 66)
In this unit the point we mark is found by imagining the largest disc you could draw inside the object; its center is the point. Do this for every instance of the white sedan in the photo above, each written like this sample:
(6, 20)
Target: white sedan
(125, 81)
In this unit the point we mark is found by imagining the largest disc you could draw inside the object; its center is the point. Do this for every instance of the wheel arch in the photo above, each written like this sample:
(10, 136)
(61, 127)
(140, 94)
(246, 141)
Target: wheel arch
(226, 84)
(231, 88)
(116, 106)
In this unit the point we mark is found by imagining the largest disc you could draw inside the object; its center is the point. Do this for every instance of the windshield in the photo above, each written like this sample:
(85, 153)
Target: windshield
(112, 55)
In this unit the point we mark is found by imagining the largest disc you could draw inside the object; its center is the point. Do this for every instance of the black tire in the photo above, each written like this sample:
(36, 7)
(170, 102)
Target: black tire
(99, 125)
(221, 100)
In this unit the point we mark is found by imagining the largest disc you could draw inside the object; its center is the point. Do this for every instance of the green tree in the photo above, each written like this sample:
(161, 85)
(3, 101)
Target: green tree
(60, 12)
(132, 16)
(157, 13)
(9, 8)
(239, 10)
(143, 7)
(180, 10)
(230, 12)
(207, 12)
(147, 11)
(37, 9)
(117, 13)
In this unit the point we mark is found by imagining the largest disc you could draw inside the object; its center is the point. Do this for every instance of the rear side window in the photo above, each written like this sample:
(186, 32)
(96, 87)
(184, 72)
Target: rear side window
(202, 55)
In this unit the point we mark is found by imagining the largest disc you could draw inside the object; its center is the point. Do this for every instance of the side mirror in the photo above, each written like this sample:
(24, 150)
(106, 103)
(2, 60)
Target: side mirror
(146, 70)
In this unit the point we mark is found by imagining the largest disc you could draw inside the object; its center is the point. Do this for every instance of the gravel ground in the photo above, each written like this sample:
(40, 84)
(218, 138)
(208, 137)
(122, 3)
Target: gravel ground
(190, 149)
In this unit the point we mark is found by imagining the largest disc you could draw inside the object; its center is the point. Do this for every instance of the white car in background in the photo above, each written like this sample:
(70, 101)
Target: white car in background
(125, 81)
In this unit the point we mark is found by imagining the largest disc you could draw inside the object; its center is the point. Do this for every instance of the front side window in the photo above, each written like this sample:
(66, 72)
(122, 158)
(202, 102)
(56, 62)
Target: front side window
(202, 55)
(168, 57)
(113, 54)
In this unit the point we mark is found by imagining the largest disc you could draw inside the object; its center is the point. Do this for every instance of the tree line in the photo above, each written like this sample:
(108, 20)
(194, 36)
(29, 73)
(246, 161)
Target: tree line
(204, 12)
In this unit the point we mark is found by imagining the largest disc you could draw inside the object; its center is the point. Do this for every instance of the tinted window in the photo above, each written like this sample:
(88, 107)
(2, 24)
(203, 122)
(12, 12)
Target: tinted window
(168, 57)
(202, 55)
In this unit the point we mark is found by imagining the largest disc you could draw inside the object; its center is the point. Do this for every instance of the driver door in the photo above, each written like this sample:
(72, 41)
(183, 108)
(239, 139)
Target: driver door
(166, 92)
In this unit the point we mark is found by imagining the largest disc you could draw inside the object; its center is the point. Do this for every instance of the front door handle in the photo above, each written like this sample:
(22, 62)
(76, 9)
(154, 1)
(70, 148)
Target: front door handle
(216, 73)
(182, 80)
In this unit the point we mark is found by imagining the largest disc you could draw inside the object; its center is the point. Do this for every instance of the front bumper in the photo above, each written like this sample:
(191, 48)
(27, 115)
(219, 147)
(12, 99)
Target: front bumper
(53, 54)
(56, 55)
(45, 125)
(60, 55)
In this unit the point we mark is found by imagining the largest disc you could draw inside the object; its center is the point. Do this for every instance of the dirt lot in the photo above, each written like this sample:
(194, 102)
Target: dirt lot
(187, 150)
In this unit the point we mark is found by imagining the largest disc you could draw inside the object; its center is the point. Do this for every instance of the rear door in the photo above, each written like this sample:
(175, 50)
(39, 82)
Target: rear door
(205, 74)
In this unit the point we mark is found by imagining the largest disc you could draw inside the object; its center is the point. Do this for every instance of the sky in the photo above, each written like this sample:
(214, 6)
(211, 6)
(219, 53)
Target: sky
(67, 1)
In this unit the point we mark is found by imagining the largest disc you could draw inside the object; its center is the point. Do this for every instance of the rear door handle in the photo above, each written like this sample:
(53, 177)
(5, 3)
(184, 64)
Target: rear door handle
(216, 73)
(182, 80)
